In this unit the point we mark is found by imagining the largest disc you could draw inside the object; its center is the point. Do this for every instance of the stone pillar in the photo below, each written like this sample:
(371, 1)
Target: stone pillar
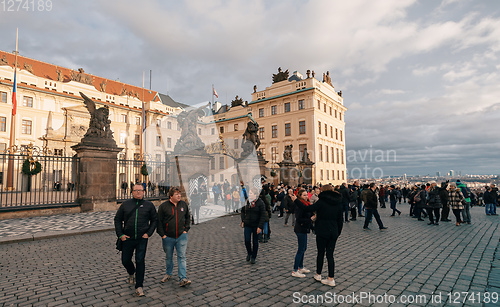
(306, 168)
(188, 165)
(289, 174)
(97, 177)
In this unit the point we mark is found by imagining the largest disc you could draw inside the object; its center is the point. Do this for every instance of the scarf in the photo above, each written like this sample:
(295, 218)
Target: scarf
(305, 202)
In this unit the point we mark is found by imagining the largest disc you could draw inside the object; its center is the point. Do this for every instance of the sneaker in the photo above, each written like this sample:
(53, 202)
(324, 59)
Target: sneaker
(166, 278)
(328, 282)
(366, 228)
(304, 270)
(185, 282)
(383, 228)
(252, 260)
(437, 224)
(131, 279)
(298, 274)
(139, 291)
(317, 277)
(248, 257)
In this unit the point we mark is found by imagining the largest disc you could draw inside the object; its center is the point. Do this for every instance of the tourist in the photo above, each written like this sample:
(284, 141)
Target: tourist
(135, 221)
(328, 227)
(173, 226)
(456, 201)
(371, 208)
(289, 207)
(345, 201)
(195, 206)
(393, 197)
(466, 193)
(489, 201)
(433, 203)
(443, 196)
(253, 216)
(303, 224)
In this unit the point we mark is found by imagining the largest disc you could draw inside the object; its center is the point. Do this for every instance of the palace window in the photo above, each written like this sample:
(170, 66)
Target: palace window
(261, 133)
(26, 126)
(288, 129)
(221, 163)
(3, 97)
(137, 140)
(341, 136)
(235, 143)
(58, 152)
(319, 127)
(274, 154)
(221, 129)
(274, 110)
(123, 118)
(324, 107)
(302, 149)
(261, 112)
(301, 104)
(27, 101)
(158, 140)
(3, 123)
(137, 120)
(302, 127)
(319, 105)
(287, 107)
(320, 153)
(326, 130)
(169, 125)
(212, 164)
(274, 131)
(326, 154)
(169, 142)
(235, 127)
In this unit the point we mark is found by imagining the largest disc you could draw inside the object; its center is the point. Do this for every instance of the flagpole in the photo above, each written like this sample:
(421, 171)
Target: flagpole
(12, 140)
(143, 128)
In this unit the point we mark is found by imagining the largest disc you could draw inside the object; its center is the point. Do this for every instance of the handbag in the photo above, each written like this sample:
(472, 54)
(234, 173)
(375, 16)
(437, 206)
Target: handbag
(119, 244)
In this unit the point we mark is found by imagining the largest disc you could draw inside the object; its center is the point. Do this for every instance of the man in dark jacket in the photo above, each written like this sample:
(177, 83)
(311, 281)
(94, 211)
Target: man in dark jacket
(173, 225)
(443, 196)
(371, 208)
(253, 216)
(135, 222)
(289, 207)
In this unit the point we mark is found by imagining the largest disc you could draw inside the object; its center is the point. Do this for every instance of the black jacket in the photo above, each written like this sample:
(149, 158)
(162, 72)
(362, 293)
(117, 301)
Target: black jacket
(173, 220)
(303, 223)
(289, 205)
(254, 215)
(371, 199)
(328, 210)
(135, 217)
(434, 200)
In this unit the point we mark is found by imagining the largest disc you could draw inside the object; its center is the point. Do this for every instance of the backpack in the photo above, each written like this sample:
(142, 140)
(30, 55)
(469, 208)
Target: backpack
(417, 197)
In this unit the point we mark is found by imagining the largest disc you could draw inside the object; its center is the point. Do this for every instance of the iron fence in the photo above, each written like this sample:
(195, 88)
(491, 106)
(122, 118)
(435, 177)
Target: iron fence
(22, 186)
(130, 172)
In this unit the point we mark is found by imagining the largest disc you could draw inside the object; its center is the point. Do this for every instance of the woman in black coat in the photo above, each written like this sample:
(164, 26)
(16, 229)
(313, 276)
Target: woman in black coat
(328, 228)
(253, 216)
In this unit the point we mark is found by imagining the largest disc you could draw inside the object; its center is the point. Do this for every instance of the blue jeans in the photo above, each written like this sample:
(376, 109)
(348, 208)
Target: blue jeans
(299, 257)
(139, 246)
(180, 245)
(248, 233)
(488, 208)
(466, 213)
(393, 207)
(345, 208)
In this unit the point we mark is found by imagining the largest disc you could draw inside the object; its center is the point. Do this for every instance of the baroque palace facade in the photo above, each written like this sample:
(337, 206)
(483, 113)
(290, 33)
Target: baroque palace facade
(303, 112)
(51, 113)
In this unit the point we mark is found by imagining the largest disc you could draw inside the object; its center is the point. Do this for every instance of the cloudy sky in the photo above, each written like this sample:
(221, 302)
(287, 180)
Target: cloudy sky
(420, 78)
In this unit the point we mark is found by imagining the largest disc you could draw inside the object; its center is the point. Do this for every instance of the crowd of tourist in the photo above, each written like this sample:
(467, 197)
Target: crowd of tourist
(319, 209)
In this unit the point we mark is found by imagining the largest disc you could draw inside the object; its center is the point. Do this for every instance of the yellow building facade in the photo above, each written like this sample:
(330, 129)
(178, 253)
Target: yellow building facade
(303, 112)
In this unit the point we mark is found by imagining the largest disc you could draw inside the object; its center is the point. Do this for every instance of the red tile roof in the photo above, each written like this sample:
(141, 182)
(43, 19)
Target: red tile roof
(49, 71)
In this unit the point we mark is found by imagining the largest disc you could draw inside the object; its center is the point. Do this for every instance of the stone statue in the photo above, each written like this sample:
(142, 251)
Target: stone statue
(81, 77)
(124, 91)
(28, 67)
(280, 76)
(313, 73)
(60, 77)
(340, 93)
(103, 85)
(287, 153)
(327, 79)
(99, 126)
(305, 156)
(3, 60)
(255, 88)
(251, 139)
(189, 140)
(308, 73)
(237, 102)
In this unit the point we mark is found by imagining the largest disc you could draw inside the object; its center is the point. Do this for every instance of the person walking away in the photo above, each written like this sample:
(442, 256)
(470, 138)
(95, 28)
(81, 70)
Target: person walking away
(289, 207)
(252, 221)
(466, 193)
(195, 206)
(489, 201)
(173, 226)
(456, 201)
(329, 223)
(371, 208)
(303, 224)
(135, 221)
(236, 199)
(393, 198)
(433, 203)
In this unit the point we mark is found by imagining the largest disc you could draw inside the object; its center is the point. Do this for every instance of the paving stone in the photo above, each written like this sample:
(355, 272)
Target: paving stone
(410, 258)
